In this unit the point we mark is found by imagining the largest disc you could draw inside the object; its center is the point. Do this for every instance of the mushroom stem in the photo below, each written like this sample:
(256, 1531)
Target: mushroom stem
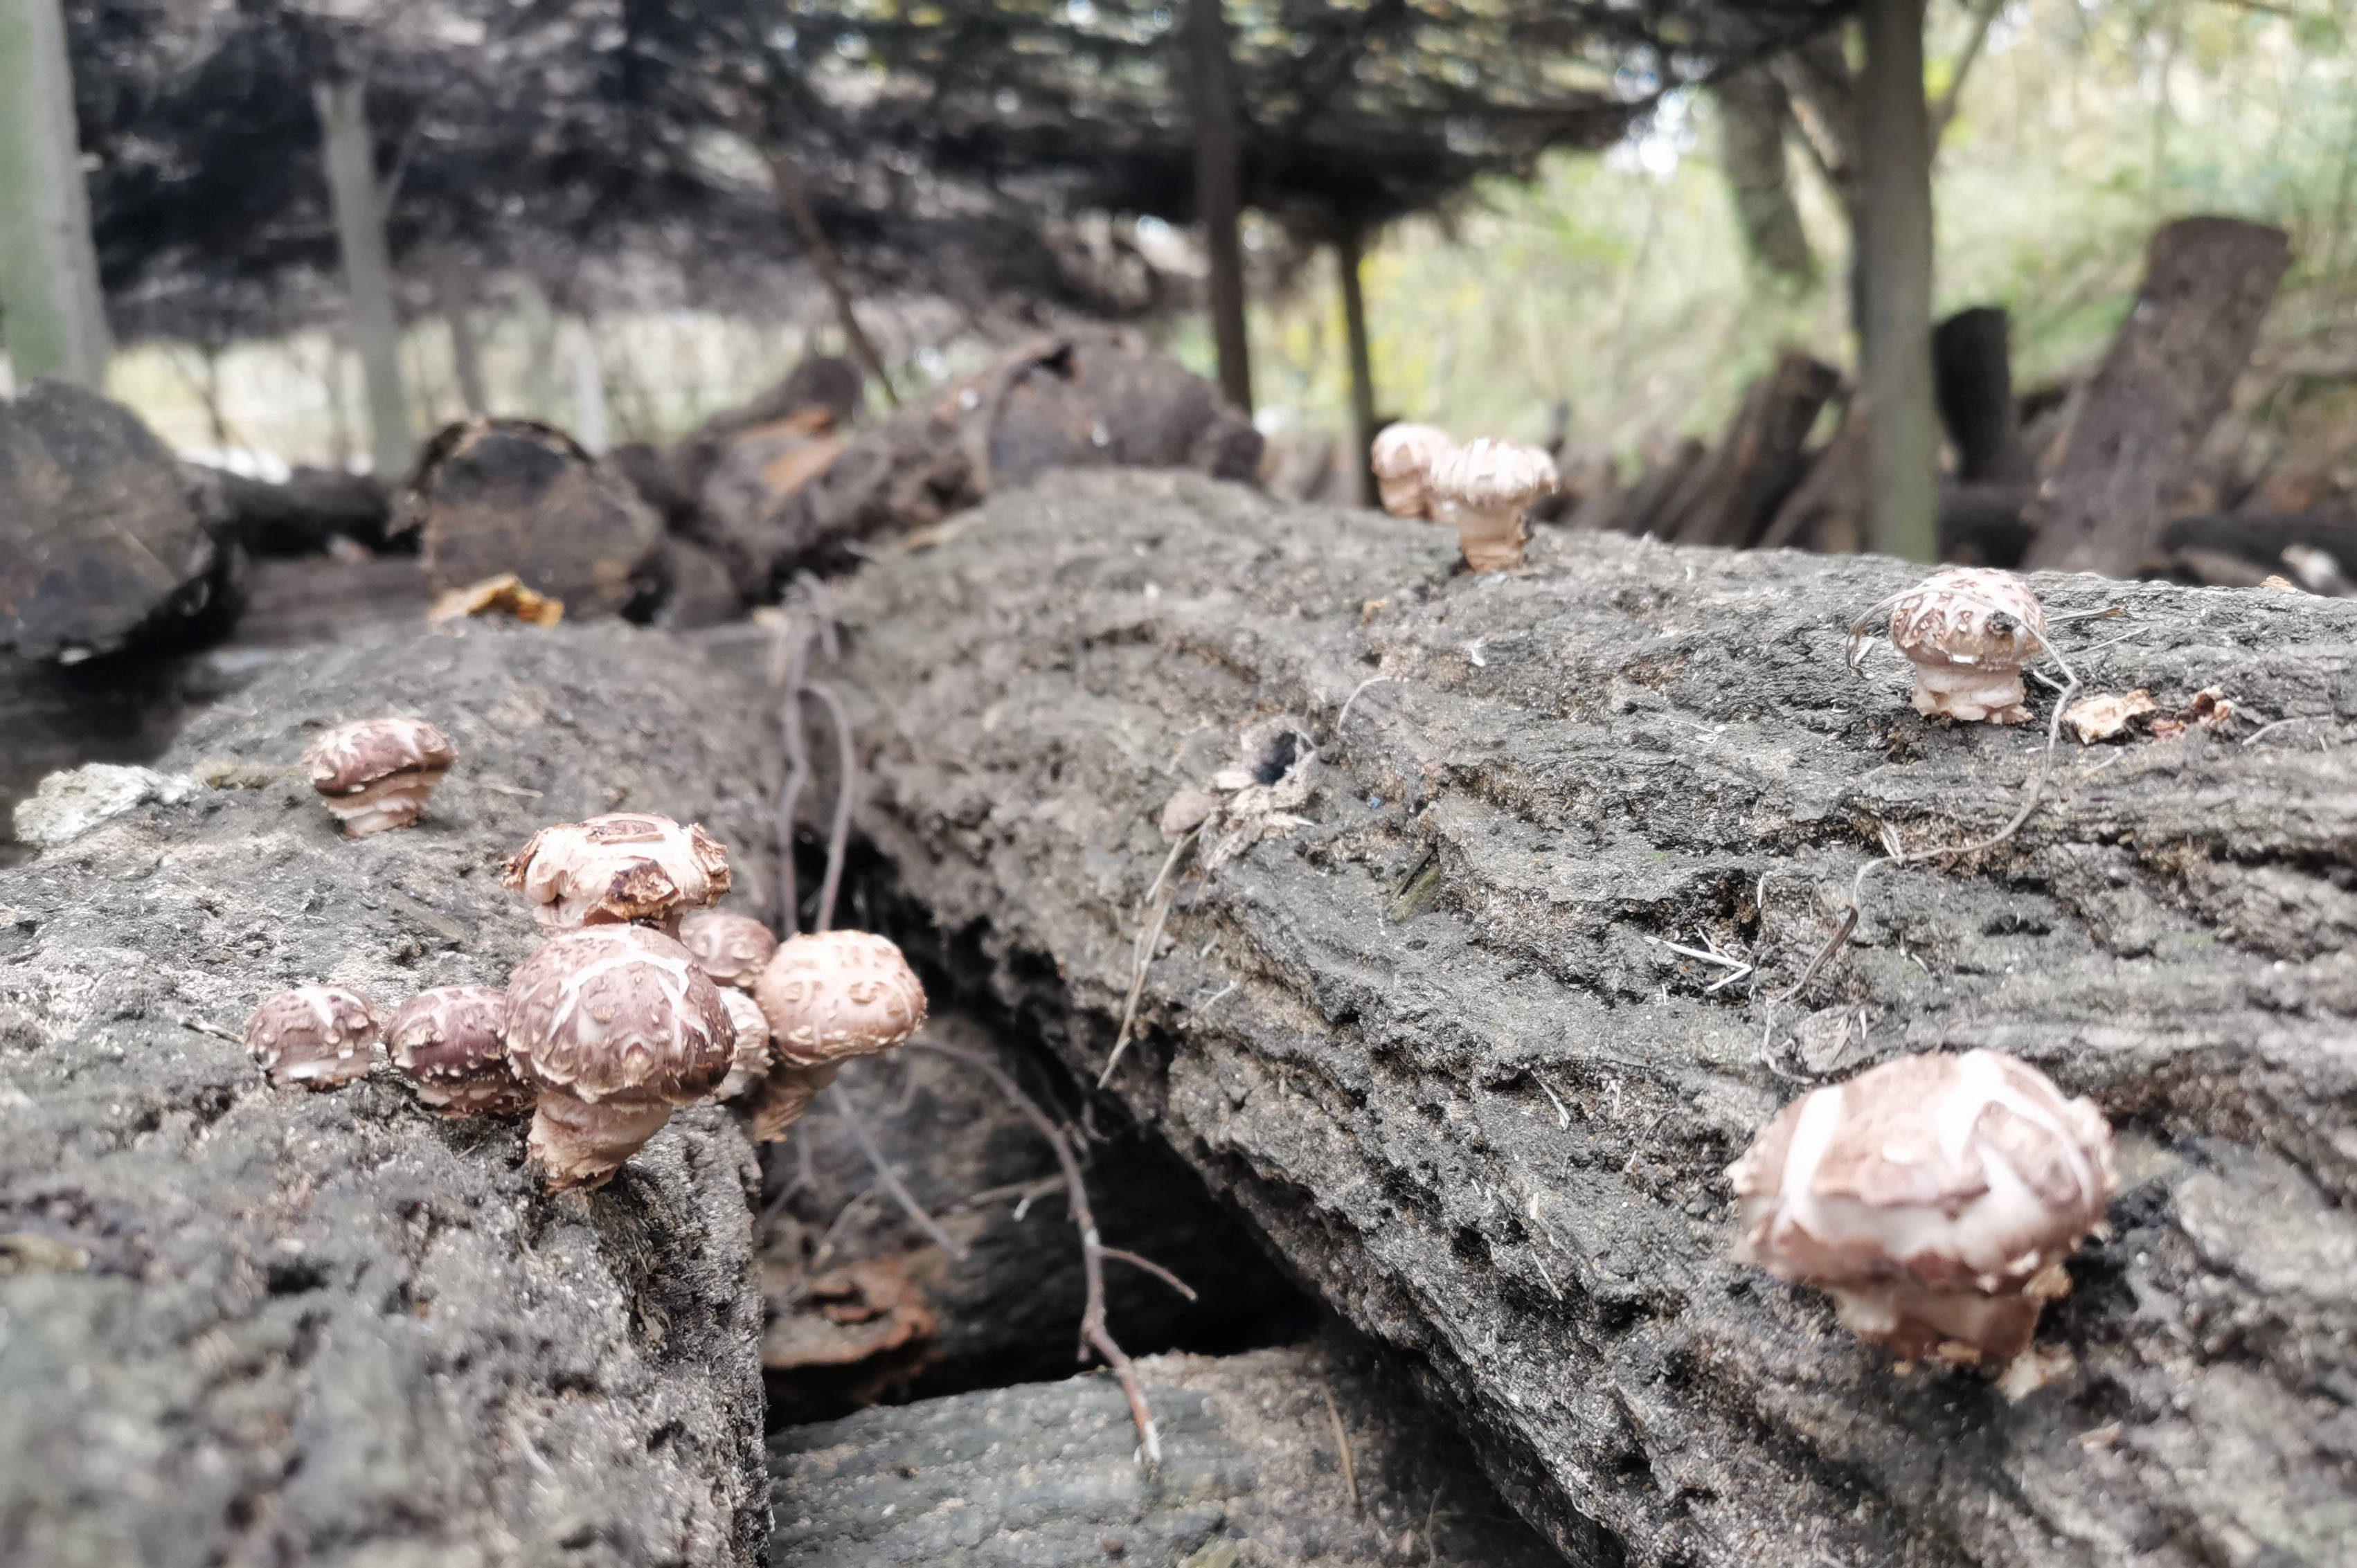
(778, 1100)
(1491, 537)
(580, 1143)
(1971, 693)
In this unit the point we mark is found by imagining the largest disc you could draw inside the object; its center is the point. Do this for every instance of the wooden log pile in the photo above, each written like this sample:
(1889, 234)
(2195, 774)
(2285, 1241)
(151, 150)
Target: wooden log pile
(1470, 1024)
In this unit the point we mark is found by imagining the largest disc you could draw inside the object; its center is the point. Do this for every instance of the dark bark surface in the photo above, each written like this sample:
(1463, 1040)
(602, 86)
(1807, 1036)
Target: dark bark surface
(1433, 1044)
(1253, 1473)
(2163, 383)
(103, 538)
(301, 516)
(510, 495)
(241, 1324)
(1735, 493)
(1972, 373)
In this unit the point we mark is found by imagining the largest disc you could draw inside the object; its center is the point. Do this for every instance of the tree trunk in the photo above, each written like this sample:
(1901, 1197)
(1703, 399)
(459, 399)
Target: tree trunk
(1972, 368)
(1753, 112)
(1732, 497)
(590, 421)
(454, 291)
(1349, 261)
(1219, 200)
(52, 313)
(1434, 1041)
(793, 193)
(2166, 379)
(316, 1320)
(1903, 440)
(350, 158)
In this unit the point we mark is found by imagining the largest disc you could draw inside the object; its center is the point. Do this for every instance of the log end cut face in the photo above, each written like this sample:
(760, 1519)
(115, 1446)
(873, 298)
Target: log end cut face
(1934, 1196)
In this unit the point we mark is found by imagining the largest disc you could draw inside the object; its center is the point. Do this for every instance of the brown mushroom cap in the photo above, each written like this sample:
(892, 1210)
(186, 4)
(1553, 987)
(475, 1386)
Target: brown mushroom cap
(452, 1042)
(376, 773)
(1933, 1196)
(321, 1036)
(1970, 631)
(623, 866)
(751, 1060)
(1490, 475)
(731, 947)
(617, 1011)
(836, 996)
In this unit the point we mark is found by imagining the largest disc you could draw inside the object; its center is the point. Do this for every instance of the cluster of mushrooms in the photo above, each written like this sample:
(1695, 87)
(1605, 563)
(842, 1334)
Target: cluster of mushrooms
(1484, 489)
(642, 999)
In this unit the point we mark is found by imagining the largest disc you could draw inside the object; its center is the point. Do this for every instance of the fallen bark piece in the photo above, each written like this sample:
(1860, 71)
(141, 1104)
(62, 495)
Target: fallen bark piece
(1472, 1045)
(494, 496)
(1305, 1455)
(101, 537)
(339, 1328)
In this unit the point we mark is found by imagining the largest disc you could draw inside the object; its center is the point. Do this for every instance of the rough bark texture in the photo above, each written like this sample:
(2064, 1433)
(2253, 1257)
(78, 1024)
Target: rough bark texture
(2166, 379)
(102, 535)
(1433, 1046)
(266, 1326)
(1253, 1473)
(510, 495)
(862, 1305)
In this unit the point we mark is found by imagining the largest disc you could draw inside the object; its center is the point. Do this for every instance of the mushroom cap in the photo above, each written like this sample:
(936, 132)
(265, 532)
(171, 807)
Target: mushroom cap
(749, 1062)
(350, 758)
(836, 996)
(320, 1036)
(731, 947)
(1967, 1173)
(453, 1041)
(625, 865)
(1399, 450)
(1970, 614)
(617, 1012)
(1485, 474)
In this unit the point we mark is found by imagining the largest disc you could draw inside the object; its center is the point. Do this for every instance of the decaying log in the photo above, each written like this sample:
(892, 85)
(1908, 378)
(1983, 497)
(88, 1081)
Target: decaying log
(2167, 378)
(1827, 510)
(513, 495)
(246, 1324)
(1076, 400)
(1434, 1041)
(1642, 504)
(306, 513)
(743, 512)
(1734, 494)
(1314, 1454)
(862, 1305)
(818, 381)
(103, 538)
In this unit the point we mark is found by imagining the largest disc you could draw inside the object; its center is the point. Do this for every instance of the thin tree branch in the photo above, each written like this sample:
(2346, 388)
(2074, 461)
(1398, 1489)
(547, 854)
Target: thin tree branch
(1944, 110)
(885, 1173)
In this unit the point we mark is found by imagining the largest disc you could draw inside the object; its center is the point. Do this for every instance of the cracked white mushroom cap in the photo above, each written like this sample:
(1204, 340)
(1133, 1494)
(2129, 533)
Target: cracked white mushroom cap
(836, 996)
(750, 1062)
(452, 1042)
(375, 774)
(1486, 488)
(731, 947)
(614, 1025)
(1970, 631)
(630, 866)
(1401, 456)
(321, 1036)
(1934, 1197)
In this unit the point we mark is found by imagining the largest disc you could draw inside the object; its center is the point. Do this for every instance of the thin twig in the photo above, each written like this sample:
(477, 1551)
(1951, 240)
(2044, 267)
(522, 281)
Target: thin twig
(885, 1173)
(1353, 697)
(839, 838)
(1151, 1267)
(793, 648)
(1095, 1335)
(1342, 1441)
(1162, 893)
(2253, 738)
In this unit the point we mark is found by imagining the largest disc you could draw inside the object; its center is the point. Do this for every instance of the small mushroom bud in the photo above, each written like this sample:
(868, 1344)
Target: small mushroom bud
(630, 866)
(1402, 459)
(828, 998)
(321, 1036)
(1970, 631)
(376, 774)
(452, 1042)
(731, 947)
(614, 1027)
(1935, 1197)
(750, 1062)
(1486, 487)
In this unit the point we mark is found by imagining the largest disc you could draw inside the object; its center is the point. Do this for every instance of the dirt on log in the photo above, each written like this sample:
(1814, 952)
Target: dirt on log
(244, 1324)
(1434, 1041)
